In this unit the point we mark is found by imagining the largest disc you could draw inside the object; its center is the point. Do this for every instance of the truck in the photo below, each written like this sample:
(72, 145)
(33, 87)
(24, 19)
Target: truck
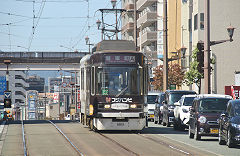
(233, 91)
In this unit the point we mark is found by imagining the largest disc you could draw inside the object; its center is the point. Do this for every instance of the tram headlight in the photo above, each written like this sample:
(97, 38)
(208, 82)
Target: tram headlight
(133, 106)
(90, 109)
(107, 106)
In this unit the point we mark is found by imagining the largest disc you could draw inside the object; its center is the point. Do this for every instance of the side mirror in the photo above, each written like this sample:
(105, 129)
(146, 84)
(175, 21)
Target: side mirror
(176, 104)
(224, 114)
(191, 109)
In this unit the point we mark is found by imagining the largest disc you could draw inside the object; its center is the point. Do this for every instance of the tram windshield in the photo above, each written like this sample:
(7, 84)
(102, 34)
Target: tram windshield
(119, 81)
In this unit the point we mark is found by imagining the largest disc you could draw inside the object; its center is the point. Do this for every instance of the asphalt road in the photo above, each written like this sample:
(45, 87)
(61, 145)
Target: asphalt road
(209, 144)
(43, 139)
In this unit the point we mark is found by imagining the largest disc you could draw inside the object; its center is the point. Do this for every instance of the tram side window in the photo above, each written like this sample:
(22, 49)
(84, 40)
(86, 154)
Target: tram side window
(82, 78)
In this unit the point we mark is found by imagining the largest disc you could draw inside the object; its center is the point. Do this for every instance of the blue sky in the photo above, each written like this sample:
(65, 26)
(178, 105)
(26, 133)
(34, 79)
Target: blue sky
(62, 26)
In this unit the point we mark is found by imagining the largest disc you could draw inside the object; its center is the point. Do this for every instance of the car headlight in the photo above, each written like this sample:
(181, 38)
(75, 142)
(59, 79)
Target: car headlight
(202, 119)
(236, 125)
(184, 110)
(133, 106)
(107, 106)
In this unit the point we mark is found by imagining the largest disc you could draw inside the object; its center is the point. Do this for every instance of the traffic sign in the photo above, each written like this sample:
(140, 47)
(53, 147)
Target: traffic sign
(7, 95)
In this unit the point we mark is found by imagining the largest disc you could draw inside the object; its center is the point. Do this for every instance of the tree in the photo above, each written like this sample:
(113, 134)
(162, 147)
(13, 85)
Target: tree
(175, 76)
(193, 75)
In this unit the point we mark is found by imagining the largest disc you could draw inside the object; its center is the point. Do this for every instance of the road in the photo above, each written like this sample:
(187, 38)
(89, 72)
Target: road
(43, 139)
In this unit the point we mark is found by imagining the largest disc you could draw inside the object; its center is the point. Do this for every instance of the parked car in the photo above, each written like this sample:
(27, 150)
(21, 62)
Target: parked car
(67, 117)
(229, 124)
(172, 96)
(204, 114)
(151, 98)
(158, 108)
(181, 112)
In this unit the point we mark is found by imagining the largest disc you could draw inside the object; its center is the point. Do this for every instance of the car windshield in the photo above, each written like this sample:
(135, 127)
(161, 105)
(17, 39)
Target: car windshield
(161, 98)
(188, 101)
(213, 105)
(151, 111)
(151, 99)
(174, 97)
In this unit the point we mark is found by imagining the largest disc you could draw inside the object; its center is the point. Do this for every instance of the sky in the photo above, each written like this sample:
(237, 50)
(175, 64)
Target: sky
(59, 25)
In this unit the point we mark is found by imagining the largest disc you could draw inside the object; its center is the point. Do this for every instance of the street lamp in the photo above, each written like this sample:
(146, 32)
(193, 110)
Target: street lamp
(113, 3)
(88, 43)
(230, 30)
(183, 51)
(7, 62)
(98, 22)
(207, 68)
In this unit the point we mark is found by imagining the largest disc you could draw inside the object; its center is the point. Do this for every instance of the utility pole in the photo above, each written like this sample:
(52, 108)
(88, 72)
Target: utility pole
(165, 47)
(207, 89)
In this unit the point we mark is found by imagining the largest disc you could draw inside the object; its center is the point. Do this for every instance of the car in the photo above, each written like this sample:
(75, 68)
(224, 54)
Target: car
(67, 117)
(204, 115)
(151, 98)
(181, 112)
(158, 108)
(172, 96)
(229, 125)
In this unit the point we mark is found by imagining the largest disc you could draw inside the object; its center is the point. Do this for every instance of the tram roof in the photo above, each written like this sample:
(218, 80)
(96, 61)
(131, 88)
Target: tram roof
(115, 46)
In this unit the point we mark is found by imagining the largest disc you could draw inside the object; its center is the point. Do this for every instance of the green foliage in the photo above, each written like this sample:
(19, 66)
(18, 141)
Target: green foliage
(193, 76)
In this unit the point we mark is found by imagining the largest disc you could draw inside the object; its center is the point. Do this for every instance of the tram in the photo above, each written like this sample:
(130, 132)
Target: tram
(113, 87)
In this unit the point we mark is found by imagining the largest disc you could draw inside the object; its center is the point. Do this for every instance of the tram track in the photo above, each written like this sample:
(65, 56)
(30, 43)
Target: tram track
(24, 139)
(165, 144)
(118, 144)
(68, 140)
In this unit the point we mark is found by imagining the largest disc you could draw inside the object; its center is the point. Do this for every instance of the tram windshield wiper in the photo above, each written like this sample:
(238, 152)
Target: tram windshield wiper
(122, 91)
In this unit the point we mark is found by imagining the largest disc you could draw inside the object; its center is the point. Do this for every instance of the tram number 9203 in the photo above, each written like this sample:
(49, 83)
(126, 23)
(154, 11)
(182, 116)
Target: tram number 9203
(120, 124)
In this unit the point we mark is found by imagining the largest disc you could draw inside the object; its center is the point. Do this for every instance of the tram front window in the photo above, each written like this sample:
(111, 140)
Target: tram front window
(118, 81)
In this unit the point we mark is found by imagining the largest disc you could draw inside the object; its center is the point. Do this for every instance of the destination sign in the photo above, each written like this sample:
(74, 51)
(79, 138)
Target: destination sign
(118, 59)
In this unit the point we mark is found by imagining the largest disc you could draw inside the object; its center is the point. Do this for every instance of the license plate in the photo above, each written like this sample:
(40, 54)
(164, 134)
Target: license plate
(120, 124)
(214, 130)
(170, 119)
(151, 116)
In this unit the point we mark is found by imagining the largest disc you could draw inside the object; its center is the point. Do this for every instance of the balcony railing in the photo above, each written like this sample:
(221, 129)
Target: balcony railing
(141, 4)
(128, 27)
(147, 18)
(147, 37)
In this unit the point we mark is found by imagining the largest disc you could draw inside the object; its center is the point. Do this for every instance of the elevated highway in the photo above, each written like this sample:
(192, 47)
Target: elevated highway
(41, 60)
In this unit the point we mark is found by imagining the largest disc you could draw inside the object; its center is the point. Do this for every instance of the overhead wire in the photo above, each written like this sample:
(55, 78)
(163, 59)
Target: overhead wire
(35, 26)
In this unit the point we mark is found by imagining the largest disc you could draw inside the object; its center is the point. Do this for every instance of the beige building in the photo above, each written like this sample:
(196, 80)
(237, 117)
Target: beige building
(222, 14)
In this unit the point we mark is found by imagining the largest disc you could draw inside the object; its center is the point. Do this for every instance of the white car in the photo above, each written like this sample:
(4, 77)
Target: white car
(181, 112)
(67, 117)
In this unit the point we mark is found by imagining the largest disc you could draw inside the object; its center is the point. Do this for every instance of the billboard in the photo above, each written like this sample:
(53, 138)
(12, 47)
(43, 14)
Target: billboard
(31, 115)
(3, 85)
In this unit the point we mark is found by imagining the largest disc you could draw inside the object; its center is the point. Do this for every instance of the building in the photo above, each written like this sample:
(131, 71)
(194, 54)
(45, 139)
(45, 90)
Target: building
(147, 31)
(222, 14)
(128, 20)
(36, 83)
(18, 86)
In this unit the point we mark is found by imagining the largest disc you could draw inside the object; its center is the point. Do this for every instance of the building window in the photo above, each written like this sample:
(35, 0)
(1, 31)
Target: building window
(201, 20)
(190, 25)
(196, 22)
